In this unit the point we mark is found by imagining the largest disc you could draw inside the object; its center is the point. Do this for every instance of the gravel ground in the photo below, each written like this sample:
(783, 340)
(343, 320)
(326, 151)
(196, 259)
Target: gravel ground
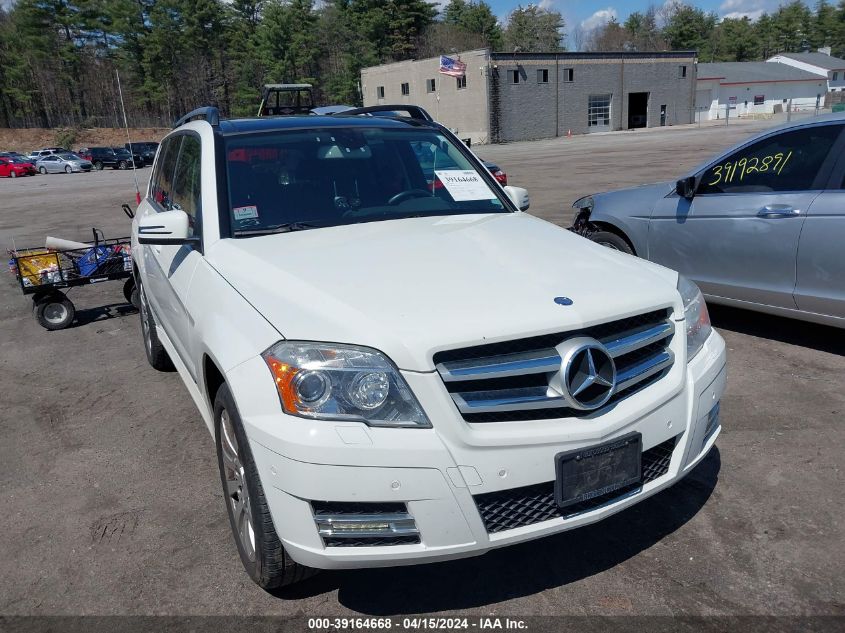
(113, 503)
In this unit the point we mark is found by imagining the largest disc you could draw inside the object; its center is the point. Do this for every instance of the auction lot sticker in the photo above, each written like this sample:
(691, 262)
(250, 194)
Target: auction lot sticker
(464, 185)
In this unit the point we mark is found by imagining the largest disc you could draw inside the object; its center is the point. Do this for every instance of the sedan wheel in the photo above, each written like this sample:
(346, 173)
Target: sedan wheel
(611, 241)
(122, 165)
(68, 169)
(42, 170)
(13, 174)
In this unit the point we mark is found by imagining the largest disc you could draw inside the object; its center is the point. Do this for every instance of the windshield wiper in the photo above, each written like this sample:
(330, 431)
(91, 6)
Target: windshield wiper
(288, 227)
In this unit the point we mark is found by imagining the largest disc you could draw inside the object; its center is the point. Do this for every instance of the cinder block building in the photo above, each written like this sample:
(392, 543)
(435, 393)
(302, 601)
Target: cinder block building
(522, 96)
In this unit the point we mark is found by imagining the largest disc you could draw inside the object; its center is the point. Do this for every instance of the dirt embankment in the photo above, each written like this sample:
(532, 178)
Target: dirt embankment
(28, 139)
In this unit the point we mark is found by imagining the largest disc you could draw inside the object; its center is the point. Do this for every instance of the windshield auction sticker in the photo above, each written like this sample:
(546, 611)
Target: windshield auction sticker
(464, 185)
(245, 213)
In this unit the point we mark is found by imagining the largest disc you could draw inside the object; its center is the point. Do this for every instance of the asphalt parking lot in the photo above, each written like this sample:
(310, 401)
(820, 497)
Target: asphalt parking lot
(112, 501)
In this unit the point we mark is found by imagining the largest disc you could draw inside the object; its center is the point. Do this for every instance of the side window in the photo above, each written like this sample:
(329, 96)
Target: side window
(161, 189)
(186, 183)
(784, 162)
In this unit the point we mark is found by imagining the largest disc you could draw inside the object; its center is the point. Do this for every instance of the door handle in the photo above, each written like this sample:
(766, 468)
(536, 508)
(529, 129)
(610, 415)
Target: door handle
(778, 211)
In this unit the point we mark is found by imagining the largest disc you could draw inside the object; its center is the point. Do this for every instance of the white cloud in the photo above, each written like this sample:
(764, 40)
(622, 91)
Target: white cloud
(599, 18)
(546, 5)
(738, 15)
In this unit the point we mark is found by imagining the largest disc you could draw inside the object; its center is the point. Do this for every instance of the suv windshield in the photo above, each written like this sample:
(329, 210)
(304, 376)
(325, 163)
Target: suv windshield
(332, 176)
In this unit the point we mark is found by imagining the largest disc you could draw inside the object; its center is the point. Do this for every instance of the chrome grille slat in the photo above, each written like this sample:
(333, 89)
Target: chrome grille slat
(512, 382)
(619, 346)
(642, 370)
(541, 361)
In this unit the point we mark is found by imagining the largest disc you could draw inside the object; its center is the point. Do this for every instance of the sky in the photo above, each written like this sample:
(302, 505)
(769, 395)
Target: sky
(589, 15)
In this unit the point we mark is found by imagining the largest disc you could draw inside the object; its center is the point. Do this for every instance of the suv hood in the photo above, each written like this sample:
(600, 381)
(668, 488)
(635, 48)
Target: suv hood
(413, 287)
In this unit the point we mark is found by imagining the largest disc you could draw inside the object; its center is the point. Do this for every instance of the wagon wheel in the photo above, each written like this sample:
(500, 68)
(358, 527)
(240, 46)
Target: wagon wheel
(54, 311)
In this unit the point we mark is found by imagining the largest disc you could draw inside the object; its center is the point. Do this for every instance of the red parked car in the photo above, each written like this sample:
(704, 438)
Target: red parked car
(13, 167)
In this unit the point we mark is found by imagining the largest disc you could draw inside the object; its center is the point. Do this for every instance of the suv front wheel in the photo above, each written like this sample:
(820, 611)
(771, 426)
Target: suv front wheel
(261, 551)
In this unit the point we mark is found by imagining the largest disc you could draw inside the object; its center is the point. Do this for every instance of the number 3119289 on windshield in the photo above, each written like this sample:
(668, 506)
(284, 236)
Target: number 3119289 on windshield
(745, 166)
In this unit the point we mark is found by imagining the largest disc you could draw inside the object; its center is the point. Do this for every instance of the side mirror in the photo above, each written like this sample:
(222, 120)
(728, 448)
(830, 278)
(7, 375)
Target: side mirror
(685, 187)
(519, 197)
(167, 227)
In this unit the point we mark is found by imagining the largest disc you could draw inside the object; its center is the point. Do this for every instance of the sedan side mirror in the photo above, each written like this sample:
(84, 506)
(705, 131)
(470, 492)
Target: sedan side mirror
(685, 187)
(519, 197)
(167, 227)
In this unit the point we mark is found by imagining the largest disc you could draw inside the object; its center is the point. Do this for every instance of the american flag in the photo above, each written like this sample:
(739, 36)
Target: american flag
(452, 67)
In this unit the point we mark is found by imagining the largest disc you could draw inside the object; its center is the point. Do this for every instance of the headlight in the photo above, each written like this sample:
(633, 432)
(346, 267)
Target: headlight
(696, 316)
(584, 203)
(328, 381)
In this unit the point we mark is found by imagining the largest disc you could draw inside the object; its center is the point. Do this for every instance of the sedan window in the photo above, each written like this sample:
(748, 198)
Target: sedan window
(789, 161)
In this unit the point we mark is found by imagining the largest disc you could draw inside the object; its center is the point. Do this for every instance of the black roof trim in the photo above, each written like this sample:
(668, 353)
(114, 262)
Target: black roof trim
(208, 113)
(414, 112)
(503, 56)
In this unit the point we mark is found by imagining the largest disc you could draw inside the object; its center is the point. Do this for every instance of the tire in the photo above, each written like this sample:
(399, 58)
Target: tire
(68, 169)
(130, 291)
(98, 165)
(263, 556)
(122, 165)
(157, 356)
(13, 174)
(54, 312)
(42, 170)
(612, 240)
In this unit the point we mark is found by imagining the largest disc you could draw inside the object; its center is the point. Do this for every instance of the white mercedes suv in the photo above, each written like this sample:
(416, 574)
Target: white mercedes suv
(397, 364)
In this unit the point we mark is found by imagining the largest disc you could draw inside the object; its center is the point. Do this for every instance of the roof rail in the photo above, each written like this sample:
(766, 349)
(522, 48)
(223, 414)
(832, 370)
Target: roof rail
(414, 112)
(208, 113)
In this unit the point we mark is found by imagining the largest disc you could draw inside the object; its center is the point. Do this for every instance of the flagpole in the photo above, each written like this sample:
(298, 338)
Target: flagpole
(128, 140)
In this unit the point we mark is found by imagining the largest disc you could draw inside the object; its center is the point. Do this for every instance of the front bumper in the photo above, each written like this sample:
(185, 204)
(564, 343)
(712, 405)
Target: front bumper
(439, 475)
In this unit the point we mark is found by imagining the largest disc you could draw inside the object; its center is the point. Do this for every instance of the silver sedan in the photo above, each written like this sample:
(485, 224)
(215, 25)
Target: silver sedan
(759, 227)
(67, 163)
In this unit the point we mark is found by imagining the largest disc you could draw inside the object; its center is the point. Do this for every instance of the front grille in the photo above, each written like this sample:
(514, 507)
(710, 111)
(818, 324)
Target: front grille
(518, 507)
(511, 380)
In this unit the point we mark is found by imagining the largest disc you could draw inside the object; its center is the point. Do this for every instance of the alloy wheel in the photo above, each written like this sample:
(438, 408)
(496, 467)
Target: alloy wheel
(145, 324)
(236, 487)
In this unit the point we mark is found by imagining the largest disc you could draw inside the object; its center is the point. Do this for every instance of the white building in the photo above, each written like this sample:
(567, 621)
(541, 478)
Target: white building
(820, 63)
(747, 88)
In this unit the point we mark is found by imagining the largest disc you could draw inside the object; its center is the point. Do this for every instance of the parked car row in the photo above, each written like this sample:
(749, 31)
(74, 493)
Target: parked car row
(54, 160)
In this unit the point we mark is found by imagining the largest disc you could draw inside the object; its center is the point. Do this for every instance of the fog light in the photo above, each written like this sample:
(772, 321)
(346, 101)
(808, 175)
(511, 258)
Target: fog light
(712, 421)
(340, 526)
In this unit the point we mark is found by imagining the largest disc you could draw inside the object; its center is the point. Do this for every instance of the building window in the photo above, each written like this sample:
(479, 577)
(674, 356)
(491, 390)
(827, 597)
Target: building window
(759, 99)
(598, 111)
(835, 76)
(380, 92)
(406, 89)
(462, 82)
(569, 74)
(514, 76)
(542, 75)
(430, 85)
(682, 72)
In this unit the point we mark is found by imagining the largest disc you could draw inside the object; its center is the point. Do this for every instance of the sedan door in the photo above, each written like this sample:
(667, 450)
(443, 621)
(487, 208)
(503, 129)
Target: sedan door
(821, 261)
(51, 164)
(737, 238)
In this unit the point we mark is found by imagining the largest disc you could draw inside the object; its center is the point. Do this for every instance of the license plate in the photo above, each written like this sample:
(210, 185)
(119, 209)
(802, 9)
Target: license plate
(595, 471)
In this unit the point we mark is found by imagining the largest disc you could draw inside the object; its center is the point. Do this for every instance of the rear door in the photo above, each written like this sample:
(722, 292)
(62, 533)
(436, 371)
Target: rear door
(821, 260)
(738, 237)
